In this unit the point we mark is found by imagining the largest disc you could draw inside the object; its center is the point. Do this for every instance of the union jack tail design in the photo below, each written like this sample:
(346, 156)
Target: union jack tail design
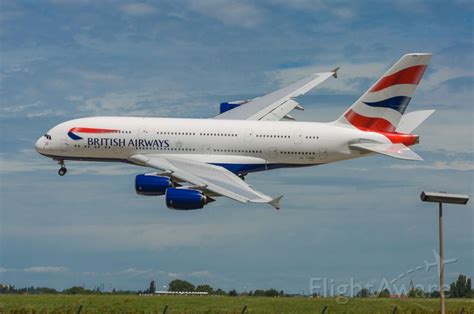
(381, 107)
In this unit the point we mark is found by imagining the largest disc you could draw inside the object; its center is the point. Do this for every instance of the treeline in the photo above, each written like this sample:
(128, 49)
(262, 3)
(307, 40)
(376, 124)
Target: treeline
(179, 285)
(4, 289)
(461, 288)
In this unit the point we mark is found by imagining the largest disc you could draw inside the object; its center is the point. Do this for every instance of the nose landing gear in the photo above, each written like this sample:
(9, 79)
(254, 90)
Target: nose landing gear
(62, 171)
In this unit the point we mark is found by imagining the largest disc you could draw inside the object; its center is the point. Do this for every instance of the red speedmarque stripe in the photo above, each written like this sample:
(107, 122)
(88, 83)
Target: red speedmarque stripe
(381, 126)
(411, 75)
(92, 130)
(369, 124)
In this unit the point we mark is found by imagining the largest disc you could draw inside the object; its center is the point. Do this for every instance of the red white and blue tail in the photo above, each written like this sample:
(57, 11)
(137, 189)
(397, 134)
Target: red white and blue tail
(380, 109)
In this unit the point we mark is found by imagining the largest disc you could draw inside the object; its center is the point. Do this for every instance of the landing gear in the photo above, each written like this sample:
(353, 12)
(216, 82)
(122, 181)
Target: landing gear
(242, 176)
(62, 171)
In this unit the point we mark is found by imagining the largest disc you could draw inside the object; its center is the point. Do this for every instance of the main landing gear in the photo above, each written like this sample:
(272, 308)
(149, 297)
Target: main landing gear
(62, 171)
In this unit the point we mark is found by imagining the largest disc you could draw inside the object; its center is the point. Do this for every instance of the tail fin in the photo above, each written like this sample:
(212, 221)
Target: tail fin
(381, 107)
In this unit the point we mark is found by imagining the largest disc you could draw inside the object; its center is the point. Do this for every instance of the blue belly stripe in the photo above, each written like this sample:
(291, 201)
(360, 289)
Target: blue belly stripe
(245, 168)
(235, 168)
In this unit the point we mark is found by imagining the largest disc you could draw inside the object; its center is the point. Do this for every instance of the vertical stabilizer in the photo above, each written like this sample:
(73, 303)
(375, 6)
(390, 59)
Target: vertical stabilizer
(381, 107)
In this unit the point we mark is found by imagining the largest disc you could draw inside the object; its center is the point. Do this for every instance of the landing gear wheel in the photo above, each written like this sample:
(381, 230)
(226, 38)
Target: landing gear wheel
(62, 171)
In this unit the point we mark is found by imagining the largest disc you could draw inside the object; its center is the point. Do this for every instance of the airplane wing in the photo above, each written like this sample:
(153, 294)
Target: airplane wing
(276, 105)
(205, 177)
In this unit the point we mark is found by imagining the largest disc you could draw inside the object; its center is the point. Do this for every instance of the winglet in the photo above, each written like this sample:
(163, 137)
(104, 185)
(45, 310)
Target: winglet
(276, 202)
(334, 72)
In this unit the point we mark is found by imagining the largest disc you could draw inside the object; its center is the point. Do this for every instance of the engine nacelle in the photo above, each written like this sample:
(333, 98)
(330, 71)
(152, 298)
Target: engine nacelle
(152, 184)
(226, 106)
(185, 199)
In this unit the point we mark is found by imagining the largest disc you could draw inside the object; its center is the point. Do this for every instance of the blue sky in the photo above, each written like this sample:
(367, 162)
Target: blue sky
(358, 219)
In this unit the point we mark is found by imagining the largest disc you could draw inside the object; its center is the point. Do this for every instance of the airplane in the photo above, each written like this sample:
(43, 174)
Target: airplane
(196, 160)
(437, 262)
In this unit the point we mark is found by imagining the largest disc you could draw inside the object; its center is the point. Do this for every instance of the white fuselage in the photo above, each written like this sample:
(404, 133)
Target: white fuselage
(241, 146)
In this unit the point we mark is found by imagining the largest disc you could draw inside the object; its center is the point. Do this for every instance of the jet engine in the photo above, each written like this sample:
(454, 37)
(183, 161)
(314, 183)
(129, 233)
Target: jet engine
(186, 199)
(149, 184)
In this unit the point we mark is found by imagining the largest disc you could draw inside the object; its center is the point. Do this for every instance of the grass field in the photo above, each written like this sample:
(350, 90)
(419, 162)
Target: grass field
(216, 304)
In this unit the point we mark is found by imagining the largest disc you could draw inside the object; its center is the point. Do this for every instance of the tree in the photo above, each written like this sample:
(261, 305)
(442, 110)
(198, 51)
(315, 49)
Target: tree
(363, 293)
(271, 293)
(232, 293)
(461, 288)
(435, 294)
(385, 293)
(77, 290)
(180, 285)
(152, 288)
(205, 288)
(416, 293)
(219, 291)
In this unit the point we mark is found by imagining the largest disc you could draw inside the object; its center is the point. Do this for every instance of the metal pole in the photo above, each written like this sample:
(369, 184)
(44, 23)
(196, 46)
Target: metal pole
(441, 259)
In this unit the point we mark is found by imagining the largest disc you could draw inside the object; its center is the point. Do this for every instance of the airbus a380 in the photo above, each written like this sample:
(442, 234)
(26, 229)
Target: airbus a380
(196, 160)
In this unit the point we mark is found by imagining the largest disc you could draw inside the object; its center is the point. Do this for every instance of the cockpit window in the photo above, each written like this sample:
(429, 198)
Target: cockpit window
(47, 136)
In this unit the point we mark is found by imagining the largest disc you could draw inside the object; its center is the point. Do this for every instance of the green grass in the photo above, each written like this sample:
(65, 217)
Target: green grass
(216, 304)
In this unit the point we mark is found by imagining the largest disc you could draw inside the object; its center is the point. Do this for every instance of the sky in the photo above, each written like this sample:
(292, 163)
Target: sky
(359, 219)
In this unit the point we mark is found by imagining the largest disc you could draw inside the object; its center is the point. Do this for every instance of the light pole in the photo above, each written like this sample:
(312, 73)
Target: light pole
(440, 198)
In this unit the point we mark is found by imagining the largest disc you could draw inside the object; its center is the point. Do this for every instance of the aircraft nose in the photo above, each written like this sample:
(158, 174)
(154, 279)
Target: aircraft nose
(39, 145)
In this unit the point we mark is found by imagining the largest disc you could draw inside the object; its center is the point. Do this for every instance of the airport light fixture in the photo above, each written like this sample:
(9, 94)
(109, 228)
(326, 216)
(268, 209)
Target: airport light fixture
(440, 198)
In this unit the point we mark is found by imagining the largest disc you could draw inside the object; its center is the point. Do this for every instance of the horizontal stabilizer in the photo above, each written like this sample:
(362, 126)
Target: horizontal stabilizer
(412, 120)
(399, 151)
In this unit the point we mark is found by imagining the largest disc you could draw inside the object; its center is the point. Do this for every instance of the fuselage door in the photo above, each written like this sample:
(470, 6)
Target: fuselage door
(272, 153)
(298, 137)
(248, 136)
(64, 144)
(323, 154)
(206, 149)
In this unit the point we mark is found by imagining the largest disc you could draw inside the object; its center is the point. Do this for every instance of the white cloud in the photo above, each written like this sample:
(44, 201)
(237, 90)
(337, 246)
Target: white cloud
(10, 11)
(440, 74)
(154, 236)
(342, 11)
(173, 275)
(457, 165)
(157, 101)
(90, 75)
(12, 109)
(138, 9)
(149, 272)
(229, 12)
(71, 2)
(32, 110)
(136, 272)
(11, 166)
(200, 274)
(28, 160)
(346, 81)
(46, 269)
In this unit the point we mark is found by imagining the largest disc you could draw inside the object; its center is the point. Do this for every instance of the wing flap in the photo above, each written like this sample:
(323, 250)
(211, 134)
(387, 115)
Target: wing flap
(398, 151)
(282, 111)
